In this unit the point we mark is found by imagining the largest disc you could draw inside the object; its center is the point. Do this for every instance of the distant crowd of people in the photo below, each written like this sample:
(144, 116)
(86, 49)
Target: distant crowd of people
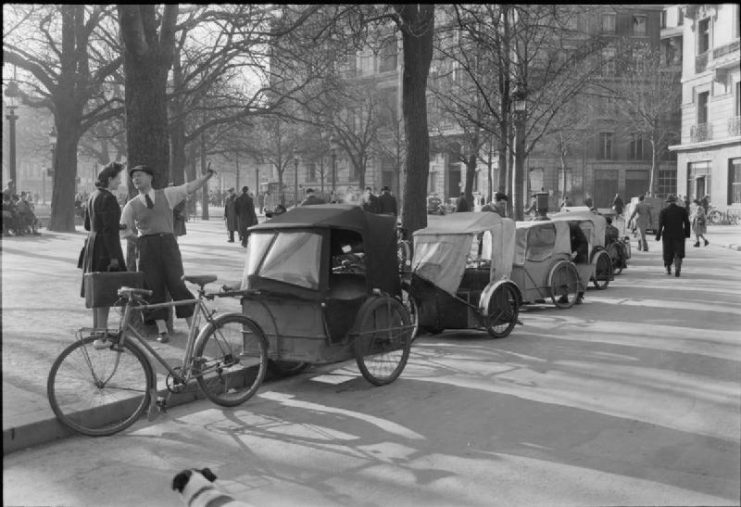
(19, 216)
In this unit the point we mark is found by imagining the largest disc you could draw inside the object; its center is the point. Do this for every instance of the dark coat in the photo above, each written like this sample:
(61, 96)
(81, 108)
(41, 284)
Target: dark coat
(371, 205)
(312, 200)
(461, 204)
(246, 216)
(618, 205)
(387, 204)
(674, 228)
(103, 244)
(230, 213)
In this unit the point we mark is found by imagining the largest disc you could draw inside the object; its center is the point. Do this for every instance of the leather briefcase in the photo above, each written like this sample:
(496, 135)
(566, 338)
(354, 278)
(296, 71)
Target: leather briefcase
(101, 288)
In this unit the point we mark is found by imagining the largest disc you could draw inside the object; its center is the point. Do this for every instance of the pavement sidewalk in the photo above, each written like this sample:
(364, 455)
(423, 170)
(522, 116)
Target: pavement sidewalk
(41, 310)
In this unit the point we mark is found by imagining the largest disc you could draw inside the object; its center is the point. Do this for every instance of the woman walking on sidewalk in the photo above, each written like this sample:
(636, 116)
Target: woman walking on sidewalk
(699, 223)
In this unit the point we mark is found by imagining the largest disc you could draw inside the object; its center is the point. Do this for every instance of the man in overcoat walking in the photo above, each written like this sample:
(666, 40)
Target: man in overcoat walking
(246, 216)
(674, 228)
(230, 214)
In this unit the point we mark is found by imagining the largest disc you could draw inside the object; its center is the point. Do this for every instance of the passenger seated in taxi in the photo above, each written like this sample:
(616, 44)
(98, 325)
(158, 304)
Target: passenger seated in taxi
(611, 232)
(579, 244)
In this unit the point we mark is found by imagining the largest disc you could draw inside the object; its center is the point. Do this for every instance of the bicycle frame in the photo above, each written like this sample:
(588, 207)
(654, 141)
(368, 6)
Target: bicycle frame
(184, 376)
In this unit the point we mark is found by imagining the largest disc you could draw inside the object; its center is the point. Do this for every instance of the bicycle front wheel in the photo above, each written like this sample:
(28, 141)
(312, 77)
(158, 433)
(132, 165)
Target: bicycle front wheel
(231, 359)
(99, 392)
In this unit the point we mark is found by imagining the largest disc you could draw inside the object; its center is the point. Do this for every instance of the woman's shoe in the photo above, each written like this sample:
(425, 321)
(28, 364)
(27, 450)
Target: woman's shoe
(706, 242)
(697, 243)
(163, 337)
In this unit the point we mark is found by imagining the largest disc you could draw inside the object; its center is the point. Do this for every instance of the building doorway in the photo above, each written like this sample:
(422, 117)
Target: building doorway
(454, 181)
(636, 183)
(605, 187)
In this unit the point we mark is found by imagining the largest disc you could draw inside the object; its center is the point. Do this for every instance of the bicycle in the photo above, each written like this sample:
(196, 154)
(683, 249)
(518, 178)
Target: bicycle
(227, 358)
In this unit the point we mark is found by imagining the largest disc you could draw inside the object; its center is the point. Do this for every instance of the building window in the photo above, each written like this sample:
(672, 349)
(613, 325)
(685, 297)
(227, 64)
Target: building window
(605, 145)
(667, 183)
(734, 181)
(639, 25)
(608, 23)
(387, 57)
(738, 98)
(680, 16)
(311, 171)
(608, 62)
(636, 147)
(703, 35)
(702, 107)
(663, 19)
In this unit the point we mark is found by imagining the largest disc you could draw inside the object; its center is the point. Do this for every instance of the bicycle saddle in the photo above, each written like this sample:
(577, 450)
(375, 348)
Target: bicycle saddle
(200, 279)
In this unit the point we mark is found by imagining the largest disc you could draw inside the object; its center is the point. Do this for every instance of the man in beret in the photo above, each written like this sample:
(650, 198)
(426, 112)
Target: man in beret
(387, 202)
(499, 205)
(149, 220)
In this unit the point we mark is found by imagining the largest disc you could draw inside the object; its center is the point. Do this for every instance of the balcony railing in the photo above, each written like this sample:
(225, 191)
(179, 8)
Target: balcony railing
(700, 132)
(701, 62)
(728, 48)
(734, 126)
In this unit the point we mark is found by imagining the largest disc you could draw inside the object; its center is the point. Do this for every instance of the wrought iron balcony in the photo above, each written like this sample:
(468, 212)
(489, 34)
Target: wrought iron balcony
(734, 126)
(700, 132)
(728, 48)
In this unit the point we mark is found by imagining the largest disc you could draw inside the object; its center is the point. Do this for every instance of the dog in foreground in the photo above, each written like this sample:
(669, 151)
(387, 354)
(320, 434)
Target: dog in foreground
(197, 490)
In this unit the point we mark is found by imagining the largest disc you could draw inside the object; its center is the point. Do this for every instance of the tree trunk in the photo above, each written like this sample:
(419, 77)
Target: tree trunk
(177, 135)
(653, 168)
(417, 29)
(147, 60)
(65, 173)
(204, 188)
(190, 169)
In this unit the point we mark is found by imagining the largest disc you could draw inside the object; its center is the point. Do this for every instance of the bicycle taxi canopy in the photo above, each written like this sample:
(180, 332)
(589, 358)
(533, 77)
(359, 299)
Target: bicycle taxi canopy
(537, 241)
(592, 224)
(294, 251)
(443, 250)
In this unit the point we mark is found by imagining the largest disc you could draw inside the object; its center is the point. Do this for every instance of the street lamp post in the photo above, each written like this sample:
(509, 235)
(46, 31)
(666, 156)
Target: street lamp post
(53, 147)
(520, 106)
(333, 152)
(296, 159)
(12, 92)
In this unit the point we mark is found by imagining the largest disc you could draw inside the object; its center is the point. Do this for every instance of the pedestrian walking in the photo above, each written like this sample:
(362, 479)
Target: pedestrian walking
(705, 202)
(149, 220)
(618, 206)
(387, 202)
(102, 250)
(311, 199)
(179, 217)
(369, 202)
(674, 228)
(643, 218)
(699, 223)
(461, 204)
(499, 205)
(246, 216)
(565, 202)
(230, 214)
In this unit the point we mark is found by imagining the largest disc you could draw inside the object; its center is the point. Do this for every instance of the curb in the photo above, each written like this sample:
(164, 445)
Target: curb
(50, 430)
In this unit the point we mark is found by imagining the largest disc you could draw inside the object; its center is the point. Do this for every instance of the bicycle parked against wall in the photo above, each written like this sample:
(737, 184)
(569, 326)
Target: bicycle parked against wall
(227, 358)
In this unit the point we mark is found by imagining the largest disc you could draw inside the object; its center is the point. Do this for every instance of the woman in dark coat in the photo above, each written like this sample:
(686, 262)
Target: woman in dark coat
(102, 250)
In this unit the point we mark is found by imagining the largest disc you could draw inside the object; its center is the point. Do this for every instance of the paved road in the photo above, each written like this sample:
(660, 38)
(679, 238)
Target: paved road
(630, 399)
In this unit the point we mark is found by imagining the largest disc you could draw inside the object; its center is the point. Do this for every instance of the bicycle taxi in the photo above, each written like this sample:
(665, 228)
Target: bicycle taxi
(460, 274)
(321, 283)
(542, 267)
(597, 267)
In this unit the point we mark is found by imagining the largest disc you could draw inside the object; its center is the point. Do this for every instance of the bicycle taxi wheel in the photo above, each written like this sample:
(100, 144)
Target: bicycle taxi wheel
(382, 339)
(502, 310)
(602, 269)
(99, 392)
(231, 357)
(563, 280)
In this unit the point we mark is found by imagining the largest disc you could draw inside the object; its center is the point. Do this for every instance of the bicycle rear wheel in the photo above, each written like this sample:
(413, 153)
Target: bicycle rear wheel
(231, 359)
(99, 392)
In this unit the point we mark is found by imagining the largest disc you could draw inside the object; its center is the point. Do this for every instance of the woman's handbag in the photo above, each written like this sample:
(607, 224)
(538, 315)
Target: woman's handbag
(82, 254)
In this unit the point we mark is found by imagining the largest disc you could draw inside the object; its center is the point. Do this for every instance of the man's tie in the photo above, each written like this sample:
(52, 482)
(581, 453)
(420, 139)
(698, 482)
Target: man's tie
(150, 204)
